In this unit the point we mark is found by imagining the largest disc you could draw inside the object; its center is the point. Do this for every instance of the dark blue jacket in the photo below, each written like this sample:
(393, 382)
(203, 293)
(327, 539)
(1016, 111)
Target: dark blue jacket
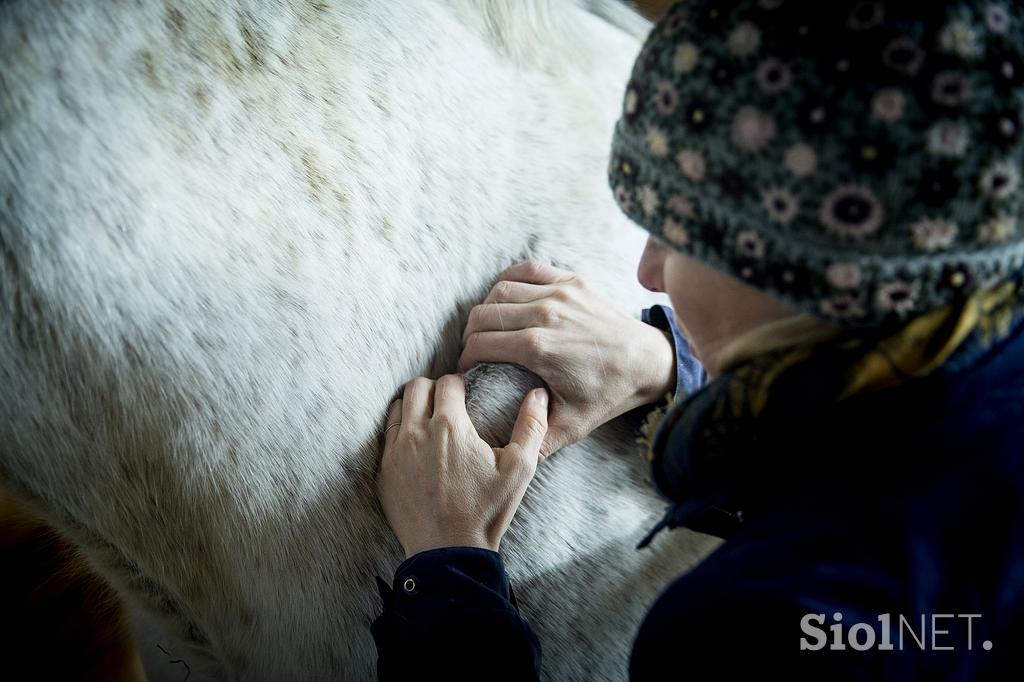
(907, 502)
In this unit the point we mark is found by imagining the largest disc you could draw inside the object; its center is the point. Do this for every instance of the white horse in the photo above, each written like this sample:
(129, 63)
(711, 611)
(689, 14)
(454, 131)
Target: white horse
(230, 232)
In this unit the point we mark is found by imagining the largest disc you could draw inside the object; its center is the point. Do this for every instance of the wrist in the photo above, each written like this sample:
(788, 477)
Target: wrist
(657, 366)
(478, 541)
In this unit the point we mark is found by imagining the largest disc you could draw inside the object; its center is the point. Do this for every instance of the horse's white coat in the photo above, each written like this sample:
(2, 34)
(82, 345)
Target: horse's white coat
(229, 233)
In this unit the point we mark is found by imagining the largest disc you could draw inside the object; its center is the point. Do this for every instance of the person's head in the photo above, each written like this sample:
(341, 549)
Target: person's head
(713, 309)
(822, 166)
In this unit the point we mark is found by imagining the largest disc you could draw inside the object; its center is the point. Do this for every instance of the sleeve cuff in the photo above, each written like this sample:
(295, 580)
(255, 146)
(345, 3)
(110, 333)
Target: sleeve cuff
(450, 614)
(690, 374)
(449, 578)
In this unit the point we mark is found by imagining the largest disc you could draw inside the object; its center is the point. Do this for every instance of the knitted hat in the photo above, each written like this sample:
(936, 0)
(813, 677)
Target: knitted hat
(859, 160)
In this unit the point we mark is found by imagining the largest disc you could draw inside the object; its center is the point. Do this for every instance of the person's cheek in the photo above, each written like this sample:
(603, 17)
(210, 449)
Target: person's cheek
(684, 293)
(674, 277)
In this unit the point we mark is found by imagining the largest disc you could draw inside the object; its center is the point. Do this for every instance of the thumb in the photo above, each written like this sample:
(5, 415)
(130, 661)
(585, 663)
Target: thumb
(532, 423)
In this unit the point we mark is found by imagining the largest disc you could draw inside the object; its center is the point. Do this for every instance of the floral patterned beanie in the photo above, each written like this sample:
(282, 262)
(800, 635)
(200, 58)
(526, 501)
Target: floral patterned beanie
(859, 160)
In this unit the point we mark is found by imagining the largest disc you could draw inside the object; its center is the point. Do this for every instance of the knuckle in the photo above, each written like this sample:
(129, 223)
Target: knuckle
(534, 341)
(412, 435)
(564, 294)
(548, 314)
(474, 315)
(444, 422)
(504, 290)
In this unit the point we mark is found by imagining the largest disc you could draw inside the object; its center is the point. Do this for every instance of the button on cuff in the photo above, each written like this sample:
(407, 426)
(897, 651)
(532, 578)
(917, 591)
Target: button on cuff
(451, 577)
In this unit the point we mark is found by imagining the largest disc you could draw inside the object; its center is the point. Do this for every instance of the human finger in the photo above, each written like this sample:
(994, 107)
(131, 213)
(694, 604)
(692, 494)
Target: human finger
(504, 317)
(392, 423)
(554, 440)
(513, 347)
(535, 272)
(507, 291)
(531, 426)
(417, 400)
(450, 398)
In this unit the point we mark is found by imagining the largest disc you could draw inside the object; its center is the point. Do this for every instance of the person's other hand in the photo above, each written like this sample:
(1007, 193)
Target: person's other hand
(598, 361)
(440, 484)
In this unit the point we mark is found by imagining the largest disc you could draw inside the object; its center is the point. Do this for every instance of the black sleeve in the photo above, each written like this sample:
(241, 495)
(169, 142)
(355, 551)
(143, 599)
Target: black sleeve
(720, 632)
(763, 605)
(451, 614)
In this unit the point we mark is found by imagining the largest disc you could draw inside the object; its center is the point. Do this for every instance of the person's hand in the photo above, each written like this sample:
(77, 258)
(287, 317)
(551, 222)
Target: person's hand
(598, 361)
(440, 484)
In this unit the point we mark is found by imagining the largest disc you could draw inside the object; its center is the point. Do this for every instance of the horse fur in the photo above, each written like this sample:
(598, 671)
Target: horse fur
(229, 232)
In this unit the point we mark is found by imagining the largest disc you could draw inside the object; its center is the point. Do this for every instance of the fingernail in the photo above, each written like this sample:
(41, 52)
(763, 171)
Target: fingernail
(541, 396)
